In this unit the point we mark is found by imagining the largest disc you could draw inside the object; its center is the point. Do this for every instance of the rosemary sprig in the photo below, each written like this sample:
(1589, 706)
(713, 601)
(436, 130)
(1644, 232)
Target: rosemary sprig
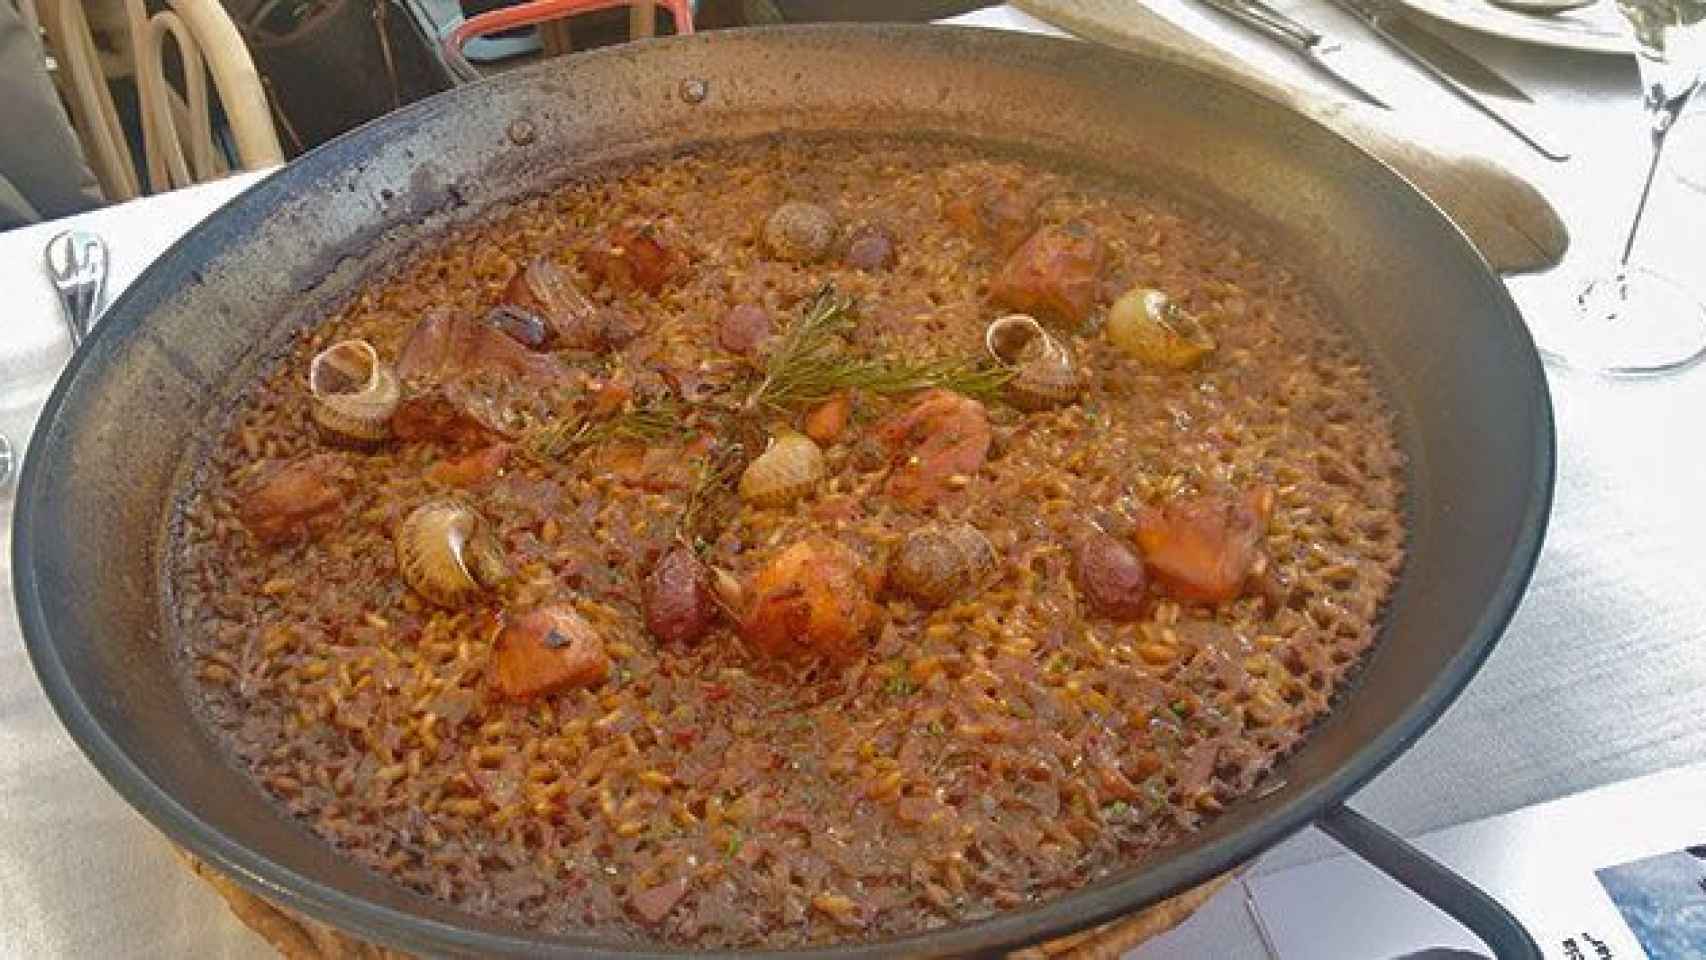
(979, 381)
(553, 439)
(808, 365)
(711, 474)
(807, 351)
(556, 439)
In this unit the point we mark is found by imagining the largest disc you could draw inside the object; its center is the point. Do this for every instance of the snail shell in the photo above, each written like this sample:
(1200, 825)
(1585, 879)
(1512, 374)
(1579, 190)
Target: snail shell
(785, 472)
(354, 392)
(1044, 371)
(800, 232)
(1151, 327)
(447, 553)
(937, 565)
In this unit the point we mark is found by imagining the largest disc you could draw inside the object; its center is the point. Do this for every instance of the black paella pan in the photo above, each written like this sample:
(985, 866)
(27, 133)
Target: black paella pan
(1447, 343)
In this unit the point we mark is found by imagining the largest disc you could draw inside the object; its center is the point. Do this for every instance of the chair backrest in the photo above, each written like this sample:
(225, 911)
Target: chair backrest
(550, 14)
(177, 129)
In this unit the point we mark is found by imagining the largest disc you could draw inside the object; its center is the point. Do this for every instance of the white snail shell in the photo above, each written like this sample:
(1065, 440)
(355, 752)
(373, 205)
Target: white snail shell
(785, 472)
(354, 392)
(1044, 371)
(447, 553)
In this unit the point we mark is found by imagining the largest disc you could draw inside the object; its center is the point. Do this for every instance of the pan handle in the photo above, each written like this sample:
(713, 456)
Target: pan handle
(1432, 881)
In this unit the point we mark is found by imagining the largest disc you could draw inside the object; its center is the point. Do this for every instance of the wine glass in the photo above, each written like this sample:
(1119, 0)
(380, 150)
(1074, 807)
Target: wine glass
(1634, 320)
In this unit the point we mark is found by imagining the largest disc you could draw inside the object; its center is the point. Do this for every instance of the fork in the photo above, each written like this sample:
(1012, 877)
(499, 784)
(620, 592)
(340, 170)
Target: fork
(77, 262)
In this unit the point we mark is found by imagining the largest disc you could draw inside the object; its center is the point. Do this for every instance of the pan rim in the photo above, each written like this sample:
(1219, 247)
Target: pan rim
(1082, 908)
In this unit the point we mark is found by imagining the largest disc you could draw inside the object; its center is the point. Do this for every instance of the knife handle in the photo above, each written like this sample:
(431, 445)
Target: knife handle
(1269, 21)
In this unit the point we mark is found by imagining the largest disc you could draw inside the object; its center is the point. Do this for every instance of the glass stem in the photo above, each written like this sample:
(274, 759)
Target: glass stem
(1662, 111)
(1646, 191)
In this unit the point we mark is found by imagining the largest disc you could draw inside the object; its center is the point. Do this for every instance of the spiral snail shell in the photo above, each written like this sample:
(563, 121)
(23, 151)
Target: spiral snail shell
(800, 232)
(447, 553)
(939, 564)
(783, 473)
(354, 392)
(1151, 327)
(1044, 371)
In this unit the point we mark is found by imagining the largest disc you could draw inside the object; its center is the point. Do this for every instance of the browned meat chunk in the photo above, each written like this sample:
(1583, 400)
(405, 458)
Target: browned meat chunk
(812, 600)
(655, 468)
(292, 500)
(825, 422)
(1204, 548)
(995, 214)
(550, 649)
(447, 414)
(1055, 275)
(635, 255)
(472, 469)
(941, 437)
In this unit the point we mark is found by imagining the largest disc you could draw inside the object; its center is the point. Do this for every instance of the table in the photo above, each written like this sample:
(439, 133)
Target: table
(1601, 676)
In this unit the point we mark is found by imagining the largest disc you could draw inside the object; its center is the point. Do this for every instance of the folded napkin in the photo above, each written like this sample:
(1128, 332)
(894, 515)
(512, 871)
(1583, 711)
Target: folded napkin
(1511, 223)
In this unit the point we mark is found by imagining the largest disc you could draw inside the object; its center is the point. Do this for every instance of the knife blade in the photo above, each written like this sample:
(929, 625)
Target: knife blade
(1372, 13)
(1349, 64)
(1440, 52)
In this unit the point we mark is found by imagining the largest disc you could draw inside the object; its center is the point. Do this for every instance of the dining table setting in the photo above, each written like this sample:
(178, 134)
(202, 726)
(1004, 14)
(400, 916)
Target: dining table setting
(1529, 122)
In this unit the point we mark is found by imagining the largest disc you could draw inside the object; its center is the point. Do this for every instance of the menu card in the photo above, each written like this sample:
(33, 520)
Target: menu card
(1615, 873)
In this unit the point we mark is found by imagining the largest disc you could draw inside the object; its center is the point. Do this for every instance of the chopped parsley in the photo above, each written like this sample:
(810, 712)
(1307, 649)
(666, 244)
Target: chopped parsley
(900, 686)
(1154, 795)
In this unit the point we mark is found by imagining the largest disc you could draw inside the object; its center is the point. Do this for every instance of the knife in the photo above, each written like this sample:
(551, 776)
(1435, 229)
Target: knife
(1441, 53)
(1349, 64)
(1407, 41)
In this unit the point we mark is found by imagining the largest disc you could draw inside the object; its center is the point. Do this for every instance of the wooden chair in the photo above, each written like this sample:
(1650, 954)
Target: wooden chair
(177, 129)
(551, 15)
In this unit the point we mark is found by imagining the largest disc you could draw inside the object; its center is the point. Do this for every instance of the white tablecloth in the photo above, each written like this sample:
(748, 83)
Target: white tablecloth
(1602, 675)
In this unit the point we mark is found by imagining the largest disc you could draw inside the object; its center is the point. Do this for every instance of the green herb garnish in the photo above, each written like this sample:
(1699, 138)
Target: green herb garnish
(808, 363)
(556, 439)
(1153, 795)
(710, 474)
(899, 686)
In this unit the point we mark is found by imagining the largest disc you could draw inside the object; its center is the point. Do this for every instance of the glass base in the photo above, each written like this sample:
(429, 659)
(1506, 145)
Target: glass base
(1632, 322)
